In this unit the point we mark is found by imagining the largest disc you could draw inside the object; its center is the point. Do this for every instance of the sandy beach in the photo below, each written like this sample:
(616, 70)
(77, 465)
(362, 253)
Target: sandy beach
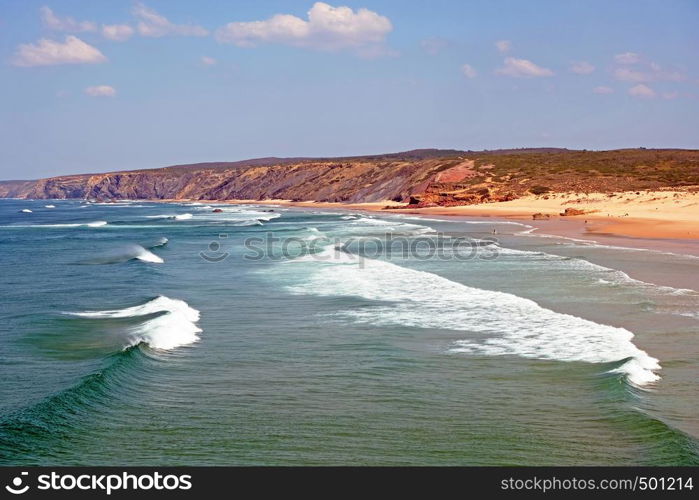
(658, 218)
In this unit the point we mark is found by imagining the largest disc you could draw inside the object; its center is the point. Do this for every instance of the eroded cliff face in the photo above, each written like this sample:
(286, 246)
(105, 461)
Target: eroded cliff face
(340, 181)
(419, 178)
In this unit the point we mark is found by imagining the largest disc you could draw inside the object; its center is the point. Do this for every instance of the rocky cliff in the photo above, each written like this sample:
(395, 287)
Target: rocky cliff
(419, 178)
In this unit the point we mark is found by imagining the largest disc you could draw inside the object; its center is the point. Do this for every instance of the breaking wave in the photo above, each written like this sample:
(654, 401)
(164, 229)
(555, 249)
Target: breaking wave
(168, 323)
(126, 253)
(496, 323)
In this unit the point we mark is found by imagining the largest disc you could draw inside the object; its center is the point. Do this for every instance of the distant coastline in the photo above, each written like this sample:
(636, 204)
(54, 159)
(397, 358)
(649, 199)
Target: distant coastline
(635, 193)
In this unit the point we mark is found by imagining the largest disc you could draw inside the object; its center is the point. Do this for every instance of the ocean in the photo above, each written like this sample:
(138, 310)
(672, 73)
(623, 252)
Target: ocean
(141, 333)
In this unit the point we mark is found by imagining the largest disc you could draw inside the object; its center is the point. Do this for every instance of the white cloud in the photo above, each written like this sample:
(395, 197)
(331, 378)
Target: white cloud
(469, 71)
(503, 45)
(582, 68)
(522, 68)
(648, 72)
(49, 52)
(603, 90)
(152, 24)
(642, 91)
(327, 28)
(208, 61)
(627, 58)
(670, 95)
(101, 91)
(117, 32)
(52, 21)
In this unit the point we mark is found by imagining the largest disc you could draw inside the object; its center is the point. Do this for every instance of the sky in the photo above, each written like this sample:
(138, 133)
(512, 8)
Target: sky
(102, 85)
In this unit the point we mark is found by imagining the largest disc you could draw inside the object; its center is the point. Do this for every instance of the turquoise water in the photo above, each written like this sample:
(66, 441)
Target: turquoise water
(145, 334)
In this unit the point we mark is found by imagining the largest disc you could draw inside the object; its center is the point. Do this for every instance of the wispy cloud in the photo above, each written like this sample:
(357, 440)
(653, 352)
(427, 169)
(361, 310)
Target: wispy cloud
(633, 67)
(522, 68)
(503, 46)
(469, 71)
(603, 90)
(582, 68)
(152, 24)
(68, 24)
(49, 52)
(117, 32)
(627, 58)
(327, 28)
(642, 91)
(208, 61)
(647, 72)
(101, 91)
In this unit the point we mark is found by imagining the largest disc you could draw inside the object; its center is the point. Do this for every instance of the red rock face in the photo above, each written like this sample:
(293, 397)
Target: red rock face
(459, 173)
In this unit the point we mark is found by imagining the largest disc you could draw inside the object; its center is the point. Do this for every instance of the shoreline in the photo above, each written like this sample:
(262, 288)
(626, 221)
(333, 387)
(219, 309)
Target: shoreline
(666, 221)
(572, 228)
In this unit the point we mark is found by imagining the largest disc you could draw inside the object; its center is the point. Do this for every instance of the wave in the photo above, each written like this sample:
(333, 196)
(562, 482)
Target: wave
(159, 242)
(98, 223)
(161, 324)
(174, 325)
(254, 222)
(315, 234)
(497, 323)
(239, 218)
(170, 216)
(49, 206)
(26, 211)
(609, 276)
(30, 431)
(236, 216)
(126, 253)
(131, 203)
(368, 223)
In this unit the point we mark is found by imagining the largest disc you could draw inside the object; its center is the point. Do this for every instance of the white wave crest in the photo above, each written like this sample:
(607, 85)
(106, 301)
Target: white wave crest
(170, 216)
(98, 223)
(174, 327)
(125, 253)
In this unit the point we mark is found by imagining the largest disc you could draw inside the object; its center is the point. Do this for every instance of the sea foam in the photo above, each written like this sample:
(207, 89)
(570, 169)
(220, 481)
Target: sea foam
(496, 323)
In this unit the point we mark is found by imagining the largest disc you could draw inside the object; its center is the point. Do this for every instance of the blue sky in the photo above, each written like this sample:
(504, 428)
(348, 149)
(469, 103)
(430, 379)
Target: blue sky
(90, 86)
